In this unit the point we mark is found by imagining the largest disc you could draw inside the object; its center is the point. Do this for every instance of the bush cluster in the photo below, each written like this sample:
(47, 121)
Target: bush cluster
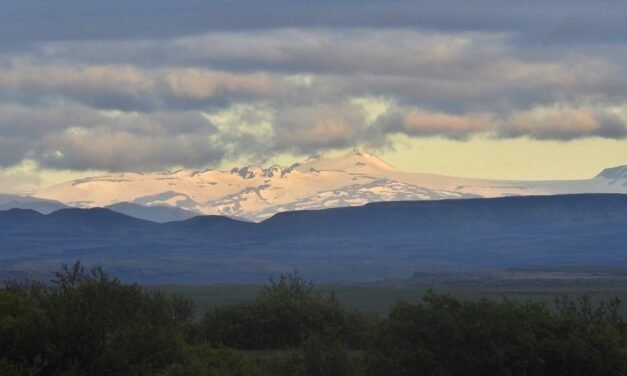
(88, 323)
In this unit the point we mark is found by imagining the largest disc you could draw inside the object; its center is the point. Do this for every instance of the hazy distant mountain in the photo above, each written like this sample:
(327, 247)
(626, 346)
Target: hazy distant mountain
(158, 213)
(615, 175)
(256, 193)
(375, 241)
(25, 202)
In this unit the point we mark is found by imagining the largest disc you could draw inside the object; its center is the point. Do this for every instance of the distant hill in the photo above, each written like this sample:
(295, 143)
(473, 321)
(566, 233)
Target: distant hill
(375, 241)
(26, 202)
(158, 213)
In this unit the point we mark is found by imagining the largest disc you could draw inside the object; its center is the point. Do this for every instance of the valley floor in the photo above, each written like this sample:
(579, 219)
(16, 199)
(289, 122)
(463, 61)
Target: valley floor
(378, 297)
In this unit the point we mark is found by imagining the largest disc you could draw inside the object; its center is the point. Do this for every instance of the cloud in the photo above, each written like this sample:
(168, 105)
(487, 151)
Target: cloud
(458, 72)
(322, 133)
(236, 82)
(12, 151)
(202, 84)
(562, 122)
(393, 52)
(573, 21)
(127, 87)
(32, 122)
(420, 123)
(308, 129)
(123, 151)
(559, 123)
(81, 138)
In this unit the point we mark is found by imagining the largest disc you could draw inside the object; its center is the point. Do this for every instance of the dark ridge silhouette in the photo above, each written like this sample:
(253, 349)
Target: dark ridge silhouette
(159, 213)
(43, 206)
(208, 222)
(97, 218)
(18, 217)
(378, 240)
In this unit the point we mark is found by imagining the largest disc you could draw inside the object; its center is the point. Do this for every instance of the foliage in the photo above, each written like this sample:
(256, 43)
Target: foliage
(286, 313)
(326, 356)
(21, 325)
(208, 361)
(88, 323)
(445, 336)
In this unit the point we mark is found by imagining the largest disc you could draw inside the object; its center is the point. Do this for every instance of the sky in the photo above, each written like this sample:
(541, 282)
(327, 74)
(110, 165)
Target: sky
(488, 88)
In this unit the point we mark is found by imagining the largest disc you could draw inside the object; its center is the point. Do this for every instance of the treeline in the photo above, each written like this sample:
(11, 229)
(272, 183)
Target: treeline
(88, 323)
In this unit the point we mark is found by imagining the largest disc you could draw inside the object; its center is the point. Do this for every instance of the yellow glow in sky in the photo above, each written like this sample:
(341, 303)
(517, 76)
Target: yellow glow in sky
(519, 159)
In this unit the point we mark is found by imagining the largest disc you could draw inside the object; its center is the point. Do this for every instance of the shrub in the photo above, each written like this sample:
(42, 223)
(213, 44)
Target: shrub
(286, 313)
(445, 336)
(90, 323)
(208, 361)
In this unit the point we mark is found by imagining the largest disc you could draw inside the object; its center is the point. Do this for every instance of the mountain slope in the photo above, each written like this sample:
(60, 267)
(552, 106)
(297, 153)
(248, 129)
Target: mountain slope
(256, 193)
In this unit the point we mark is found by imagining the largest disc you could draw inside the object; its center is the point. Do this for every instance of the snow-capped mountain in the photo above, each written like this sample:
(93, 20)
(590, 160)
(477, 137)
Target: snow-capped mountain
(256, 193)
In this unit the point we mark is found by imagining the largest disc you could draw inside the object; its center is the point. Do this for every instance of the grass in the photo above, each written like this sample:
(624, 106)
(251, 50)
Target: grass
(377, 298)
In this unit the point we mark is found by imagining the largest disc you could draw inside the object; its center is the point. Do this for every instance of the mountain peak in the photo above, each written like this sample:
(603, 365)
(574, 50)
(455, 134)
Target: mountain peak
(357, 161)
(372, 160)
(359, 153)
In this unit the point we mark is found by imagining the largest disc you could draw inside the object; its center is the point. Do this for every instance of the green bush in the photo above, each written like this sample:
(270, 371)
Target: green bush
(208, 361)
(326, 356)
(584, 339)
(445, 336)
(284, 315)
(21, 326)
(89, 323)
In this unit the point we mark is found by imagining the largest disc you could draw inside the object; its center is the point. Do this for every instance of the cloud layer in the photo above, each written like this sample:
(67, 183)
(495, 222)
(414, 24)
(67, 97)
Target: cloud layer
(197, 83)
(535, 20)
